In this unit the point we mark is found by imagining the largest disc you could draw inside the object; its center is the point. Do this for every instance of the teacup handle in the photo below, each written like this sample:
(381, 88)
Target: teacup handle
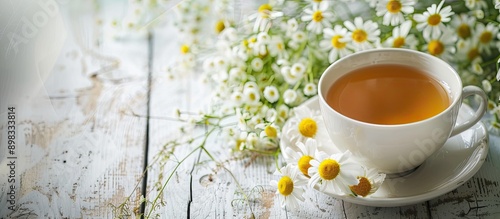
(469, 91)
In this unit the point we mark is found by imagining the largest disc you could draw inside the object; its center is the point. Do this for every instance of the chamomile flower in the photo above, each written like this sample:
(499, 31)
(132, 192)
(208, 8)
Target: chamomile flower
(310, 89)
(463, 24)
(306, 123)
(335, 41)
(252, 96)
(263, 17)
(368, 183)
(363, 35)
(318, 17)
(486, 35)
(271, 94)
(400, 37)
(476, 4)
(257, 64)
(277, 47)
(432, 21)
(486, 86)
(333, 173)
(393, 10)
(468, 50)
(290, 187)
(290, 96)
(443, 46)
(282, 113)
(293, 74)
(302, 155)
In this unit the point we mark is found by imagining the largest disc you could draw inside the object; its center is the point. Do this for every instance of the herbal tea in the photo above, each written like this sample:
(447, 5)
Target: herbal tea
(387, 94)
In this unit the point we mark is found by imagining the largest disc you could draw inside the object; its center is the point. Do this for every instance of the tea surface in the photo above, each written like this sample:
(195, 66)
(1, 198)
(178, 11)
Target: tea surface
(388, 94)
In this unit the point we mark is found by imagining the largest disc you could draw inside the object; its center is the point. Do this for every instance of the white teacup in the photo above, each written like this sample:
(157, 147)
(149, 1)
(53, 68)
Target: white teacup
(397, 148)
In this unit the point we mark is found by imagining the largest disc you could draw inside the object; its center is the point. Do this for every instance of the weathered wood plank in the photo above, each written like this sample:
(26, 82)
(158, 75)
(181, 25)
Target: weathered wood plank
(80, 150)
(477, 198)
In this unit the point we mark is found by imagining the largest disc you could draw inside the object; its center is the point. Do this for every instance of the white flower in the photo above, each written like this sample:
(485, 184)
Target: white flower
(400, 37)
(299, 36)
(306, 124)
(310, 89)
(368, 183)
(252, 96)
(475, 66)
(290, 186)
(468, 50)
(431, 21)
(292, 75)
(443, 46)
(318, 17)
(271, 94)
(393, 10)
(290, 96)
(304, 154)
(463, 24)
(333, 173)
(238, 98)
(486, 35)
(486, 86)
(277, 48)
(291, 27)
(257, 64)
(271, 115)
(282, 113)
(335, 41)
(476, 4)
(268, 130)
(364, 35)
(263, 17)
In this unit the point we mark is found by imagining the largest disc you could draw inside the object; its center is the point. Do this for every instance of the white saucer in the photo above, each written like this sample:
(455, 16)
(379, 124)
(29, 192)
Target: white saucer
(451, 166)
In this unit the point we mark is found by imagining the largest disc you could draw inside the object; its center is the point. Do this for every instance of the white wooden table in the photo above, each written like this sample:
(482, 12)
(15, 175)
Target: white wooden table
(84, 138)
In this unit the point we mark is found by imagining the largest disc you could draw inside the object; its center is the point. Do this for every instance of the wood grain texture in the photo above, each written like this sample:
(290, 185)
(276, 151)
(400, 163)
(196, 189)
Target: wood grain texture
(79, 149)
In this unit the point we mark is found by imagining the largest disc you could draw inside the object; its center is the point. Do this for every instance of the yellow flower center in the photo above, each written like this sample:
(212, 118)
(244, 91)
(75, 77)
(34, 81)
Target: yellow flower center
(317, 16)
(359, 35)
(435, 47)
(220, 26)
(271, 131)
(328, 169)
(264, 10)
(285, 186)
(304, 164)
(184, 49)
(336, 42)
(464, 31)
(363, 188)
(434, 19)
(393, 6)
(252, 96)
(485, 37)
(473, 53)
(308, 127)
(280, 46)
(253, 40)
(398, 42)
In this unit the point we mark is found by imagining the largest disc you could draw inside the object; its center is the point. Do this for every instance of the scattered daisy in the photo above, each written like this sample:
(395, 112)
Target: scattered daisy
(364, 35)
(306, 123)
(486, 35)
(476, 4)
(335, 41)
(393, 10)
(290, 96)
(303, 154)
(271, 94)
(400, 37)
(333, 173)
(486, 85)
(443, 46)
(290, 187)
(463, 24)
(432, 21)
(310, 89)
(318, 17)
(368, 183)
(263, 17)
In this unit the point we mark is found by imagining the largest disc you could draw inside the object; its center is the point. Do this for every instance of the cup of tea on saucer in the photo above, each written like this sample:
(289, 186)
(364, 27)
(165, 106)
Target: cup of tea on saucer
(393, 108)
